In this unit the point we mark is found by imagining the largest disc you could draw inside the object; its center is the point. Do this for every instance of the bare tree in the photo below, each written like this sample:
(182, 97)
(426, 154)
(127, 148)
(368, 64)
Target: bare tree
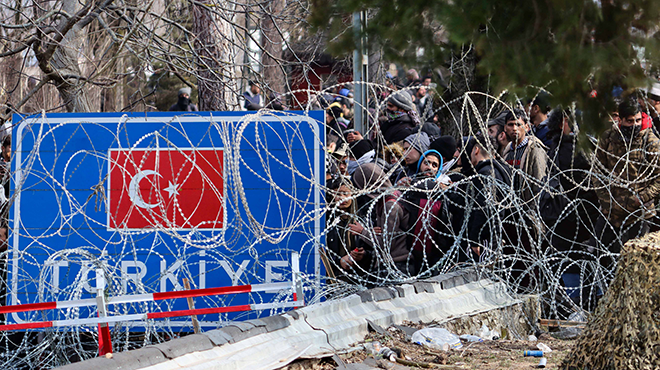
(271, 42)
(214, 50)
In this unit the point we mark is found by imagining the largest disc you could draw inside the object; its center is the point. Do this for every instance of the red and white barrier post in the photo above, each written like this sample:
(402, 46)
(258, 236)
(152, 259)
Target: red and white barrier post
(103, 320)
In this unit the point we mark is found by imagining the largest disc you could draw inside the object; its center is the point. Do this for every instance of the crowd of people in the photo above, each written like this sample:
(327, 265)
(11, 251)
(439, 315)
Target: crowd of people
(405, 200)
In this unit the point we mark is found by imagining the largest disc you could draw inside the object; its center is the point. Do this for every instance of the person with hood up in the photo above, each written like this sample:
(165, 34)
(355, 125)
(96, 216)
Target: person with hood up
(446, 146)
(383, 226)
(184, 104)
(401, 119)
(427, 224)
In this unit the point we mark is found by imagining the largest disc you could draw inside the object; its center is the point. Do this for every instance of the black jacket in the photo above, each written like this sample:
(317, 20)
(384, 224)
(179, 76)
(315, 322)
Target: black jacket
(486, 192)
(398, 129)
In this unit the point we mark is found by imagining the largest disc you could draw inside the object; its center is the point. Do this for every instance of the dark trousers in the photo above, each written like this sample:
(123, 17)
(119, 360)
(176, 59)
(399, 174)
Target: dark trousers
(609, 240)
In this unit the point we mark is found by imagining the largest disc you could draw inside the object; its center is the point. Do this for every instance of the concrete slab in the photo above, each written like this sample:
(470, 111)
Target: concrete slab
(218, 337)
(334, 325)
(382, 294)
(137, 359)
(187, 344)
(275, 322)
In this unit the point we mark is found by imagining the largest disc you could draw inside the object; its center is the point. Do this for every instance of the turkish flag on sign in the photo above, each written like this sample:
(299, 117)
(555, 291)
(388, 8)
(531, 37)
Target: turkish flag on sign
(166, 188)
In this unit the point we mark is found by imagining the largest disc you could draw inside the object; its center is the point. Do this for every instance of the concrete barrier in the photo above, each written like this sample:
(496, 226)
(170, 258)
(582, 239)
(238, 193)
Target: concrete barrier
(325, 327)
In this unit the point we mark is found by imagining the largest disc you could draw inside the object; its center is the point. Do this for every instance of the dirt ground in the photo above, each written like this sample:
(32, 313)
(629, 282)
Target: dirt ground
(495, 354)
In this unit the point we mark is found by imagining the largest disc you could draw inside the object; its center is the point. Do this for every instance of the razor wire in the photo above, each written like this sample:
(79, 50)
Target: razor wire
(519, 252)
(155, 40)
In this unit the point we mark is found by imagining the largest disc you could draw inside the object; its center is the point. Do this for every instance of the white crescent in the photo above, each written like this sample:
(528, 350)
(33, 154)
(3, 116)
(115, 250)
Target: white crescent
(134, 189)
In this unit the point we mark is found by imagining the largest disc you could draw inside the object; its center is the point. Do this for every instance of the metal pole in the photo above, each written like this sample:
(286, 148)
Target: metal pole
(360, 72)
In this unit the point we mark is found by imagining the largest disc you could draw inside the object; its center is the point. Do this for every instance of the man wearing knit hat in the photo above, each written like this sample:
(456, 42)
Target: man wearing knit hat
(184, 104)
(413, 148)
(400, 119)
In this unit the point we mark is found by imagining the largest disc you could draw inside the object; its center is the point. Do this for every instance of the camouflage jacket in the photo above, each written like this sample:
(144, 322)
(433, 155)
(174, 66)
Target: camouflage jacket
(627, 175)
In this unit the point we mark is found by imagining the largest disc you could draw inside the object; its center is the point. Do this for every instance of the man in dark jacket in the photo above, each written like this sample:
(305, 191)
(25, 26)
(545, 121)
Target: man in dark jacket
(538, 117)
(401, 119)
(487, 191)
(497, 135)
(184, 104)
(570, 165)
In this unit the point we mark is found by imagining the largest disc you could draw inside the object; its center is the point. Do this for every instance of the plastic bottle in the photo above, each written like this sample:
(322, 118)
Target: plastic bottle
(377, 350)
(487, 334)
(387, 353)
(533, 353)
(483, 332)
(543, 362)
(373, 348)
(471, 338)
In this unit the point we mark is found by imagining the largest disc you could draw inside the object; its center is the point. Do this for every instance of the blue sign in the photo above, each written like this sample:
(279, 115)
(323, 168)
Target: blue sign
(137, 202)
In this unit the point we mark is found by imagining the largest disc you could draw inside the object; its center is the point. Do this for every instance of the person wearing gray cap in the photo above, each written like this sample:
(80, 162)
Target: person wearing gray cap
(401, 118)
(413, 147)
(184, 104)
(496, 133)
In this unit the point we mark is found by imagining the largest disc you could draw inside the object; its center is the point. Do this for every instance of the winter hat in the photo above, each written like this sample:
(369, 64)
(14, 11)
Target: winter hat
(446, 146)
(499, 120)
(420, 142)
(360, 148)
(335, 110)
(403, 100)
(341, 151)
(185, 90)
(371, 177)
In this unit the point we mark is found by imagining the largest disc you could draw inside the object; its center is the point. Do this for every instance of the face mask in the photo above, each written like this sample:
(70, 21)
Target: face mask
(629, 132)
(394, 114)
(184, 101)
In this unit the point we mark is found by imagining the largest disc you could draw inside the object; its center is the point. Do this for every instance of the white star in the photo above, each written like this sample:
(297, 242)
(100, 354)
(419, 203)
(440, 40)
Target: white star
(171, 189)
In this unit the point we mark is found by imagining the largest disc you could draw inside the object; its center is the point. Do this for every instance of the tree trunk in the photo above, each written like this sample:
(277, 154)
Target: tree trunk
(214, 37)
(65, 63)
(271, 42)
